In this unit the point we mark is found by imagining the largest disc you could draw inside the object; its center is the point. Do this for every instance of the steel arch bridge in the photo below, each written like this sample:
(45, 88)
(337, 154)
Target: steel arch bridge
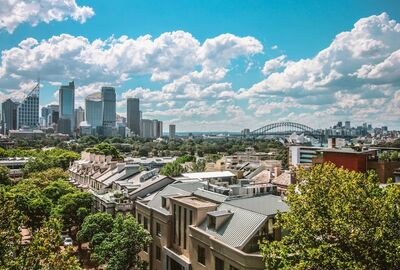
(285, 129)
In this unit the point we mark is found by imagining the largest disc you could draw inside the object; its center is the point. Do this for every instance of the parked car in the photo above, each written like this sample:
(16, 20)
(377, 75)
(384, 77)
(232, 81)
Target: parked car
(68, 241)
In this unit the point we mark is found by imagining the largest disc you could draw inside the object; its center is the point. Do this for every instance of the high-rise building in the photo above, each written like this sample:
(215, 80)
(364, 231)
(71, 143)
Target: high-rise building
(133, 115)
(94, 110)
(147, 129)
(108, 98)
(67, 108)
(172, 129)
(79, 116)
(28, 110)
(347, 124)
(9, 115)
(157, 128)
(50, 114)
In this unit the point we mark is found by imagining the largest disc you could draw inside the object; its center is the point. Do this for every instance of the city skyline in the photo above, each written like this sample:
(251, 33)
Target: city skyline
(199, 76)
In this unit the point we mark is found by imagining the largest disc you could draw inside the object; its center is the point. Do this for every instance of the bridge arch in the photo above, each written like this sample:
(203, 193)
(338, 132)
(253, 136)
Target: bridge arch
(285, 128)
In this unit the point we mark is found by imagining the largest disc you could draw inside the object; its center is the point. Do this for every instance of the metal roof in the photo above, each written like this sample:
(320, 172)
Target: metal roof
(238, 228)
(265, 205)
(205, 175)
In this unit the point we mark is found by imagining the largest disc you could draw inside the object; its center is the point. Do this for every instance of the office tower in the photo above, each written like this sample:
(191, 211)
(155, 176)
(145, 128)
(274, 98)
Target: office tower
(133, 115)
(347, 124)
(339, 124)
(67, 108)
(45, 115)
(28, 110)
(79, 116)
(9, 115)
(172, 129)
(147, 129)
(109, 106)
(157, 128)
(94, 110)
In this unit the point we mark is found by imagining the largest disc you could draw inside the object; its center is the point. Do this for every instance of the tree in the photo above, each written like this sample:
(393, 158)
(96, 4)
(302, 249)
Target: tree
(4, 178)
(73, 208)
(198, 166)
(44, 252)
(337, 220)
(172, 169)
(95, 228)
(105, 149)
(56, 189)
(394, 156)
(120, 250)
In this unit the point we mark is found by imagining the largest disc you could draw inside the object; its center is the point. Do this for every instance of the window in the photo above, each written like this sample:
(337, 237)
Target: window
(145, 223)
(211, 222)
(219, 264)
(158, 253)
(139, 218)
(158, 229)
(179, 225)
(164, 202)
(231, 267)
(190, 217)
(201, 255)
(184, 228)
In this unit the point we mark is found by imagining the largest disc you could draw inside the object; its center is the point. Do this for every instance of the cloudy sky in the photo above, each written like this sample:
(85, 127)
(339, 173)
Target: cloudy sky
(212, 65)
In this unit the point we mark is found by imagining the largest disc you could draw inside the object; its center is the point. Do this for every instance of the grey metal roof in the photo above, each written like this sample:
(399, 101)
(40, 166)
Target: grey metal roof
(177, 189)
(212, 196)
(266, 204)
(238, 228)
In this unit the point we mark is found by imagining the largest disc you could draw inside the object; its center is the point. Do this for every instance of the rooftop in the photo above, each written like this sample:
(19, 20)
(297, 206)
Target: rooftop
(194, 202)
(206, 175)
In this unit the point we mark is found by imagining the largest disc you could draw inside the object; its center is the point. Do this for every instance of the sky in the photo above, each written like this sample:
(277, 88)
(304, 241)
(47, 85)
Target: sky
(211, 65)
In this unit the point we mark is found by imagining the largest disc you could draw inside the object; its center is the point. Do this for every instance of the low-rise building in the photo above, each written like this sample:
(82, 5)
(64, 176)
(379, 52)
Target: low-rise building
(193, 228)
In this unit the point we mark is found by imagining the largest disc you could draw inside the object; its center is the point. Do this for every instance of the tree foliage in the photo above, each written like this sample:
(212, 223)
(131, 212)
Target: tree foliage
(95, 228)
(4, 178)
(74, 207)
(105, 149)
(120, 250)
(337, 220)
(172, 169)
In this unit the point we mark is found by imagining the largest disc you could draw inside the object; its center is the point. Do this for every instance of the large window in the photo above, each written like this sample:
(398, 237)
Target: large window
(158, 253)
(158, 229)
(219, 264)
(201, 255)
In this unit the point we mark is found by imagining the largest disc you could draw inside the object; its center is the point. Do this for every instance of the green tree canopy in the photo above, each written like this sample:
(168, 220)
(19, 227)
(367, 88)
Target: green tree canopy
(95, 228)
(105, 149)
(74, 207)
(337, 220)
(4, 178)
(172, 169)
(120, 250)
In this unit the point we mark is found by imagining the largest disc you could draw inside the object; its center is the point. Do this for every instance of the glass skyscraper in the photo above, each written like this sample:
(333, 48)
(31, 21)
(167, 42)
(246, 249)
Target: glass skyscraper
(133, 115)
(28, 110)
(67, 108)
(94, 110)
(109, 106)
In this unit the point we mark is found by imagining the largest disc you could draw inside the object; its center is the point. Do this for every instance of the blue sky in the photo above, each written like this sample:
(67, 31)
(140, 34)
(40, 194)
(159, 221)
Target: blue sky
(213, 65)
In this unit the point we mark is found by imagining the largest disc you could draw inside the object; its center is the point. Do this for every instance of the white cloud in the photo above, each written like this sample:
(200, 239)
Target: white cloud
(273, 65)
(15, 12)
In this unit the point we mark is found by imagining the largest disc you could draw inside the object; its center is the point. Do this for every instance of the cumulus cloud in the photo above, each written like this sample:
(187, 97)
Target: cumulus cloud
(273, 65)
(174, 57)
(15, 12)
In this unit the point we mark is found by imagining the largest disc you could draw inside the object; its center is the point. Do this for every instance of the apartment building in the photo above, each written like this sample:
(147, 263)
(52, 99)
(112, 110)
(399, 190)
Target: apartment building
(193, 228)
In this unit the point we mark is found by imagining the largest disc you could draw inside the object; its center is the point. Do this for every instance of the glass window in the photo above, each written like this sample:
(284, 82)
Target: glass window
(219, 264)
(201, 255)
(145, 223)
(158, 229)
(158, 253)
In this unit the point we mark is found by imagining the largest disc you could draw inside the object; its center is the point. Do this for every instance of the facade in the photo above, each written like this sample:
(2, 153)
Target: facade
(28, 110)
(196, 229)
(302, 155)
(9, 110)
(133, 115)
(94, 110)
(79, 116)
(147, 130)
(27, 134)
(157, 128)
(108, 99)
(172, 130)
(67, 108)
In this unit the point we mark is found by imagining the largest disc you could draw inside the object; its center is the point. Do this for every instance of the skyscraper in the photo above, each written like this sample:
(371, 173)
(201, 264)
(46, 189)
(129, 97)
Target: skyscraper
(108, 99)
(9, 115)
(67, 108)
(347, 124)
(28, 110)
(147, 129)
(172, 129)
(94, 110)
(79, 116)
(133, 115)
